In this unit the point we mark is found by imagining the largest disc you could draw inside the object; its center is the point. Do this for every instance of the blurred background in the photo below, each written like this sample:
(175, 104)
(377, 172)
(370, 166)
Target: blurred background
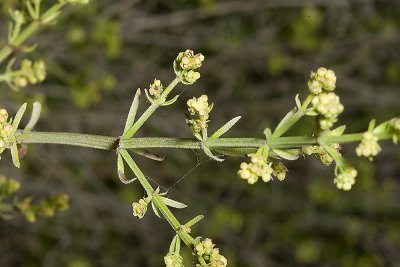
(259, 55)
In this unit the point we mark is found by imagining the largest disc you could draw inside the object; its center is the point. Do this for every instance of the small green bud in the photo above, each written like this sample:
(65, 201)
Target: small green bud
(17, 16)
(156, 88)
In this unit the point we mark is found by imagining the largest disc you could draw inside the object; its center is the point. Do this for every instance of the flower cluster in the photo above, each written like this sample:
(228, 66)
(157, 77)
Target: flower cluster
(30, 73)
(156, 88)
(46, 208)
(185, 65)
(139, 208)
(259, 167)
(326, 103)
(323, 79)
(346, 179)
(199, 110)
(209, 254)
(6, 130)
(369, 146)
(173, 259)
(328, 107)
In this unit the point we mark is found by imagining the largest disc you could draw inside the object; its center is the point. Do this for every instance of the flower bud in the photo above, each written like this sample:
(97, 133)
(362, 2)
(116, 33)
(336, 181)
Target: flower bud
(156, 88)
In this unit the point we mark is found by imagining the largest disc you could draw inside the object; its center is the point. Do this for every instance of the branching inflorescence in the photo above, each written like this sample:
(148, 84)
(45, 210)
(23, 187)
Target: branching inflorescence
(266, 154)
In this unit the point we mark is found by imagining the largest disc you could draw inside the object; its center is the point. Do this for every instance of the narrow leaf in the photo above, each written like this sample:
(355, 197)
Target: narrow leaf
(288, 116)
(267, 133)
(31, 10)
(171, 101)
(198, 136)
(156, 210)
(371, 126)
(173, 243)
(178, 244)
(18, 117)
(36, 110)
(311, 112)
(10, 65)
(297, 100)
(210, 154)
(226, 127)
(132, 111)
(121, 171)
(194, 220)
(382, 128)
(286, 154)
(148, 154)
(22, 151)
(235, 151)
(337, 131)
(173, 203)
(151, 100)
(14, 155)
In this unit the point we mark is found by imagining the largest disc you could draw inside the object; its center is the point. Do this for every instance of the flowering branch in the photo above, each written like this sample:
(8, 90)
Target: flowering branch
(266, 154)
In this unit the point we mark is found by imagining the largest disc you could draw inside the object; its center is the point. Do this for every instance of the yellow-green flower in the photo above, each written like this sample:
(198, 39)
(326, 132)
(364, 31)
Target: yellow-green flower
(369, 146)
(346, 178)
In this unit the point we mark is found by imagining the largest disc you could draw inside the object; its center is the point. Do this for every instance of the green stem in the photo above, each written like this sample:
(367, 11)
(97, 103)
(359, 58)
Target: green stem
(294, 118)
(187, 239)
(72, 139)
(150, 110)
(110, 143)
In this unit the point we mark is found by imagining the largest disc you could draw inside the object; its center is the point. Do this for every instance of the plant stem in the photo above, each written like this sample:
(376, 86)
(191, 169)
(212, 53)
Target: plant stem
(150, 110)
(72, 139)
(187, 239)
(110, 143)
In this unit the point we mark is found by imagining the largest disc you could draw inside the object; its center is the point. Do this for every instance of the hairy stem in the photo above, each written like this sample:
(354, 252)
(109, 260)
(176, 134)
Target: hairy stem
(111, 143)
